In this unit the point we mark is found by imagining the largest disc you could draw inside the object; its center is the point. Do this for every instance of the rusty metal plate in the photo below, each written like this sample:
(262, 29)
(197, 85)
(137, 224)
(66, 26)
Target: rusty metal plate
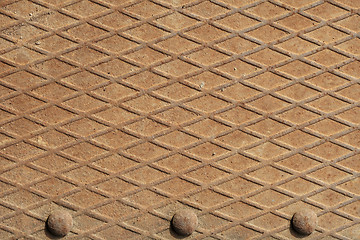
(122, 112)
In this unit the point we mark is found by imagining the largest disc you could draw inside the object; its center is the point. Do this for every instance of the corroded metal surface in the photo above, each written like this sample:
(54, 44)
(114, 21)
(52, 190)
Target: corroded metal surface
(123, 112)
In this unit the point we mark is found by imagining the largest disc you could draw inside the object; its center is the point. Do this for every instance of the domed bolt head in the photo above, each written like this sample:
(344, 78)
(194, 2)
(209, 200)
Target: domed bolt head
(184, 222)
(59, 223)
(304, 222)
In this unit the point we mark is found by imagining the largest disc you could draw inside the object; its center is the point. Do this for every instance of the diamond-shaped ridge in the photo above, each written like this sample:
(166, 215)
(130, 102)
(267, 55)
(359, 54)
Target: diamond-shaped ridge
(207, 174)
(22, 103)
(115, 187)
(350, 23)
(236, 45)
(298, 139)
(351, 92)
(296, 22)
(238, 115)
(145, 198)
(177, 44)
(85, 8)
(85, 32)
(237, 139)
(114, 163)
(269, 104)
(146, 56)
(146, 33)
(53, 115)
(53, 187)
(176, 187)
(115, 68)
(327, 127)
(207, 33)
(21, 127)
(351, 69)
(22, 223)
(332, 221)
(238, 92)
(84, 199)
(207, 199)
(176, 163)
(207, 80)
(147, 151)
(115, 139)
(84, 80)
(267, 57)
(238, 186)
(326, 34)
(207, 151)
(269, 174)
(327, 58)
(207, 104)
(176, 21)
(268, 80)
(238, 68)
(177, 139)
(52, 139)
(146, 104)
(237, 22)
(298, 115)
(84, 127)
(269, 198)
(146, 9)
(352, 186)
(146, 127)
(297, 45)
(84, 103)
(329, 198)
(239, 210)
(298, 92)
(116, 232)
(206, 56)
(328, 151)
(267, 10)
(269, 222)
(53, 91)
(207, 128)
(327, 81)
(297, 69)
(326, 11)
(351, 163)
(267, 34)
(115, 115)
(176, 92)
(177, 116)
(83, 151)
(351, 138)
(22, 80)
(176, 68)
(115, 92)
(53, 68)
(267, 127)
(116, 20)
(300, 186)
(23, 32)
(116, 44)
(21, 151)
(237, 162)
(206, 10)
(22, 175)
(84, 56)
(22, 56)
(54, 43)
(328, 104)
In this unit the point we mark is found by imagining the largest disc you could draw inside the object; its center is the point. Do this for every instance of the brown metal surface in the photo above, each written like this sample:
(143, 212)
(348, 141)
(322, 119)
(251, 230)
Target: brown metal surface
(122, 112)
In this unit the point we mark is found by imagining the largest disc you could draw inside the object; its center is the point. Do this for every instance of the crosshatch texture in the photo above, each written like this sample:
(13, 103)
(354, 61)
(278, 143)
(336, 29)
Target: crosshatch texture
(123, 111)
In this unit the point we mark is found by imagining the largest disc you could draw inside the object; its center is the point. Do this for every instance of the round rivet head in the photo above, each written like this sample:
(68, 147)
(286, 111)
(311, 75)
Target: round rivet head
(304, 222)
(59, 223)
(184, 222)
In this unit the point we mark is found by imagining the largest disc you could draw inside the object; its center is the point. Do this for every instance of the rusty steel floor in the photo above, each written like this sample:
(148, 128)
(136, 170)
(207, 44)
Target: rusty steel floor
(122, 112)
